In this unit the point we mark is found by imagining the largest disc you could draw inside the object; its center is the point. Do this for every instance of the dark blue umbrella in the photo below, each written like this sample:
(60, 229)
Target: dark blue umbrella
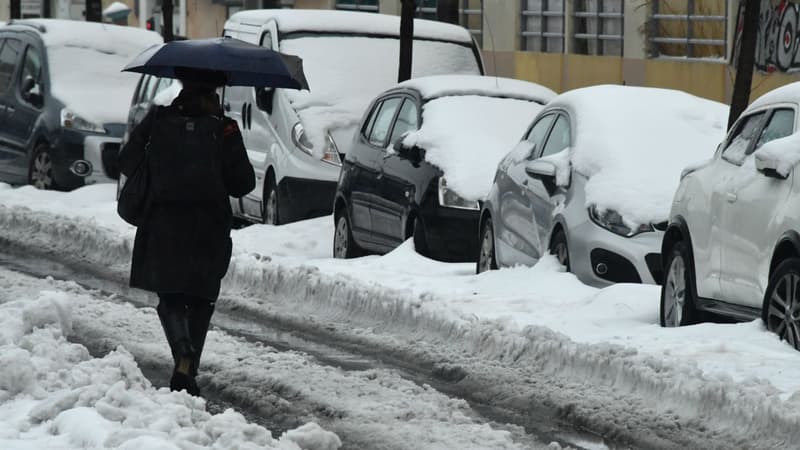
(242, 63)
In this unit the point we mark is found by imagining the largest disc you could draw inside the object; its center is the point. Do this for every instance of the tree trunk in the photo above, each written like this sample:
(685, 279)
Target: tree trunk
(16, 9)
(746, 61)
(447, 11)
(406, 39)
(94, 11)
(166, 13)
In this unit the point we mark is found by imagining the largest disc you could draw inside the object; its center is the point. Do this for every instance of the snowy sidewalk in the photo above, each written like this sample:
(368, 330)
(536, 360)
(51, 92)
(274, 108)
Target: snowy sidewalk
(608, 337)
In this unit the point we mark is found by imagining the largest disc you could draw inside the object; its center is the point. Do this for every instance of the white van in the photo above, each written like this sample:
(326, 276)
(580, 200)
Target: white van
(296, 139)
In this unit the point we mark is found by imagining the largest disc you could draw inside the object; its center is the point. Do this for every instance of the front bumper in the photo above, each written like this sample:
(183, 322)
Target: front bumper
(633, 260)
(75, 146)
(452, 234)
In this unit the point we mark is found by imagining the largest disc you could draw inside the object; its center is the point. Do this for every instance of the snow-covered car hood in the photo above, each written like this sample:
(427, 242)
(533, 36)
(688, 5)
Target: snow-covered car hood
(335, 66)
(86, 61)
(466, 136)
(632, 144)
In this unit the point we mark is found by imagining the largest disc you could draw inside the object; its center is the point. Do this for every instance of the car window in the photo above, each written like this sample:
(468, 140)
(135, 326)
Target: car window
(559, 138)
(9, 55)
(144, 89)
(538, 132)
(742, 137)
(266, 40)
(781, 124)
(32, 66)
(383, 121)
(407, 120)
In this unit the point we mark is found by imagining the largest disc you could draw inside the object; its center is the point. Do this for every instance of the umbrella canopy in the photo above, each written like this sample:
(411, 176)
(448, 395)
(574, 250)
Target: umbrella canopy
(243, 64)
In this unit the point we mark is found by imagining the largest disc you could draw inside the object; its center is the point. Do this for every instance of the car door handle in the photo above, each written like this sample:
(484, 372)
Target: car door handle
(731, 197)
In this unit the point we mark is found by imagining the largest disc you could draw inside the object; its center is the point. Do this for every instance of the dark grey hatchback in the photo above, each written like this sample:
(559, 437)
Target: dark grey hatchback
(402, 178)
(63, 100)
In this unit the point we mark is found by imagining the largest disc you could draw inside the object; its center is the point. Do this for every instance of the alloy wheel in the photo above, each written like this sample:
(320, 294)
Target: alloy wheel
(675, 292)
(783, 315)
(487, 251)
(42, 171)
(340, 238)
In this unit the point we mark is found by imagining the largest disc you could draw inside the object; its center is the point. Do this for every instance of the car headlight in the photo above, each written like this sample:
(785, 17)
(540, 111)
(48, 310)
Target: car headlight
(613, 222)
(449, 199)
(71, 120)
(301, 140)
(331, 153)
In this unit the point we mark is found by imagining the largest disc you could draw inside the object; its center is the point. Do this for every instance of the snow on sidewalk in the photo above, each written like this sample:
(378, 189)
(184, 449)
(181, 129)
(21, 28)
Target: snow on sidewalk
(609, 336)
(53, 394)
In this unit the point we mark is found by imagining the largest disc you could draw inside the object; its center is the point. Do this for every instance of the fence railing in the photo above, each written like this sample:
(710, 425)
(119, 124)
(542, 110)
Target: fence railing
(692, 33)
(598, 27)
(542, 25)
(470, 15)
(358, 5)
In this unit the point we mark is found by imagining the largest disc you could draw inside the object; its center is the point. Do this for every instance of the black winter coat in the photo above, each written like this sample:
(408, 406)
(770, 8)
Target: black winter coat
(186, 248)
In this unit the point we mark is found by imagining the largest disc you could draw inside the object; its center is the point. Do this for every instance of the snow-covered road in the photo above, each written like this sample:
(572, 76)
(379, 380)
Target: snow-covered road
(511, 338)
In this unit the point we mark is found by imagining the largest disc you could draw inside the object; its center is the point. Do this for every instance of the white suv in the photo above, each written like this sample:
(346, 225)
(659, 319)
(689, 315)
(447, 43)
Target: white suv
(732, 246)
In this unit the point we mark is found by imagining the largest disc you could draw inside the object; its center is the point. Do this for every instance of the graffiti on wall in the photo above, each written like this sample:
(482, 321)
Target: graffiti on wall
(778, 44)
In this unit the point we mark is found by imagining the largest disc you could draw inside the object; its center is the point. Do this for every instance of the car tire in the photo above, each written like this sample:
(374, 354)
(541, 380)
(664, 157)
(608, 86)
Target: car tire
(420, 240)
(781, 310)
(560, 249)
(344, 246)
(40, 169)
(486, 254)
(678, 307)
(271, 210)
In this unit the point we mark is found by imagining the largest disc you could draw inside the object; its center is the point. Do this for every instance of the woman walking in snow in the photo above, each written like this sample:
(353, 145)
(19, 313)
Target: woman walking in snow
(195, 160)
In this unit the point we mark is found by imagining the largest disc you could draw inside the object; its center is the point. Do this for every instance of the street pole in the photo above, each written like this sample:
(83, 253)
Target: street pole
(16, 9)
(94, 11)
(746, 61)
(166, 13)
(406, 39)
(447, 11)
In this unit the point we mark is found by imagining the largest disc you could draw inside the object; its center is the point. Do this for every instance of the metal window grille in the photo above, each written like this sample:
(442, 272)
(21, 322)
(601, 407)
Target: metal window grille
(470, 15)
(358, 5)
(598, 27)
(688, 29)
(542, 25)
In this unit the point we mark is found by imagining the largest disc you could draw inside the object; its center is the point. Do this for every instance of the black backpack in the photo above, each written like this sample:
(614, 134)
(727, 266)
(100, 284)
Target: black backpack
(185, 160)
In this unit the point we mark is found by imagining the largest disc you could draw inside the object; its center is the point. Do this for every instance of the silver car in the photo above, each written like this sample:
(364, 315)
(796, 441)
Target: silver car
(568, 187)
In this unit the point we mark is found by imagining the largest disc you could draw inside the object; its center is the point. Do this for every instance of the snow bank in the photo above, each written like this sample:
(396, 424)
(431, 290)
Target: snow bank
(632, 143)
(350, 22)
(608, 346)
(338, 99)
(467, 136)
(53, 394)
(81, 51)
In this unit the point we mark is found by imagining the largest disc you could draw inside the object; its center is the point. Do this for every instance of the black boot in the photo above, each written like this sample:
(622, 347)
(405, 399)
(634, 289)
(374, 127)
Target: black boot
(175, 322)
(200, 314)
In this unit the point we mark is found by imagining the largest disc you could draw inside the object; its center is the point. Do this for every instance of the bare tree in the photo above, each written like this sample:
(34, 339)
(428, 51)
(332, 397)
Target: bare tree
(746, 61)
(94, 11)
(166, 13)
(447, 11)
(406, 39)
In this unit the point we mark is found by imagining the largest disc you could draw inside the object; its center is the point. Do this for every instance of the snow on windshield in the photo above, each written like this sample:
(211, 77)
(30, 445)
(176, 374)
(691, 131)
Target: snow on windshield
(467, 136)
(346, 73)
(633, 143)
(85, 62)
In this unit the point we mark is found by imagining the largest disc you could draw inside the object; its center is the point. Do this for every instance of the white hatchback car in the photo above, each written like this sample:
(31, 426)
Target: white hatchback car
(733, 245)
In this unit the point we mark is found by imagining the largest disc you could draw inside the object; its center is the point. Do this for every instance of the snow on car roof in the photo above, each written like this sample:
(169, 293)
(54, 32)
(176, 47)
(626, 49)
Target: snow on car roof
(105, 38)
(633, 142)
(466, 135)
(350, 22)
(789, 93)
(444, 85)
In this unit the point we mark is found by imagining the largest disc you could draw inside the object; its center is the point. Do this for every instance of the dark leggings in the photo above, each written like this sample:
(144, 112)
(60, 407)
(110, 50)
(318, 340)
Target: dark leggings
(185, 320)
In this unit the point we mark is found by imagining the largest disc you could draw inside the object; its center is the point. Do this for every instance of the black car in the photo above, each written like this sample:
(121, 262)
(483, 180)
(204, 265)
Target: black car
(62, 100)
(390, 190)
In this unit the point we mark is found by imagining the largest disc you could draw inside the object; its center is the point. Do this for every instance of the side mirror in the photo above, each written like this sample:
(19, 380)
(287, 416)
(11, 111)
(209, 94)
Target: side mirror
(543, 170)
(399, 147)
(30, 92)
(27, 85)
(770, 167)
(264, 99)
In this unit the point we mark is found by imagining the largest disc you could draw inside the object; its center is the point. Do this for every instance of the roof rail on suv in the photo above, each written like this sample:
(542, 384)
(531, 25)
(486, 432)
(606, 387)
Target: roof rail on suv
(38, 27)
